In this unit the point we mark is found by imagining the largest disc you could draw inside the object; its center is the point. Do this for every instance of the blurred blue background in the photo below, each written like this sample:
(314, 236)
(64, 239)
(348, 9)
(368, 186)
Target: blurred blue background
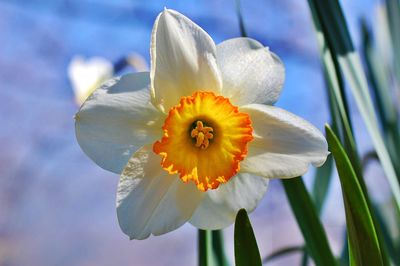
(56, 206)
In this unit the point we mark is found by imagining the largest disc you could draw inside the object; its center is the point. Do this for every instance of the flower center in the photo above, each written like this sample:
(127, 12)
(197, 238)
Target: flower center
(205, 138)
(202, 135)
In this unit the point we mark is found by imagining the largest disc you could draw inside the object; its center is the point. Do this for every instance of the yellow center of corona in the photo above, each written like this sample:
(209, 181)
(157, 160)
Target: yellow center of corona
(202, 135)
(205, 138)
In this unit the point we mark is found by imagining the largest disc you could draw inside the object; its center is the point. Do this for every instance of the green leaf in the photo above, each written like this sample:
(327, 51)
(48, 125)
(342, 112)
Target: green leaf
(344, 254)
(329, 16)
(282, 252)
(337, 101)
(378, 76)
(305, 259)
(393, 14)
(363, 241)
(308, 221)
(391, 247)
(341, 121)
(322, 180)
(246, 249)
(240, 17)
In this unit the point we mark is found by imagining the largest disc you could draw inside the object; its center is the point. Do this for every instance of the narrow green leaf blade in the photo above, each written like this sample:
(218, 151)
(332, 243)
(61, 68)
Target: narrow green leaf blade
(282, 252)
(387, 236)
(321, 184)
(363, 241)
(240, 17)
(393, 14)
(246, 249)
(309, 223)
(377, 73)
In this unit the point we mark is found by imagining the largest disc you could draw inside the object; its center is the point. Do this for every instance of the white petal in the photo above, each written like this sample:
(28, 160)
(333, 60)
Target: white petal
(220, 206)
(151, 201)
(284, 145)
(116, 120)
(182, 60)
(250, 72)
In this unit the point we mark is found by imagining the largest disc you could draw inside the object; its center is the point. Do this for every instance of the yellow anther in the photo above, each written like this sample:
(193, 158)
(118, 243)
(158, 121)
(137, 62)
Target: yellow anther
(199, 139)
(202, 134)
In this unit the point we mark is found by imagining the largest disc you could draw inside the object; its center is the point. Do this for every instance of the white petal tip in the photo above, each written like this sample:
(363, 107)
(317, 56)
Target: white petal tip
(322, 161)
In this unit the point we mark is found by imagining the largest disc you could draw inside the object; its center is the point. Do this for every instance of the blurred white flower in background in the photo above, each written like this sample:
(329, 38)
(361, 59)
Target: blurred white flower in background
(86, 75)
(137, 62)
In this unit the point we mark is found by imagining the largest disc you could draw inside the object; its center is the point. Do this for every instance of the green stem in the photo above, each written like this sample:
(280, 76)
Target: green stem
(218, 247)
(205, 248)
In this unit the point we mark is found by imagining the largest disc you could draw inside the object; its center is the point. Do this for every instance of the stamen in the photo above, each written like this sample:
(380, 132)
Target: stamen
(202, 134)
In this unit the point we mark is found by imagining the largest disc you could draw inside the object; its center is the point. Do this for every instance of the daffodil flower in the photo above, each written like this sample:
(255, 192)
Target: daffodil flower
(197, 138)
